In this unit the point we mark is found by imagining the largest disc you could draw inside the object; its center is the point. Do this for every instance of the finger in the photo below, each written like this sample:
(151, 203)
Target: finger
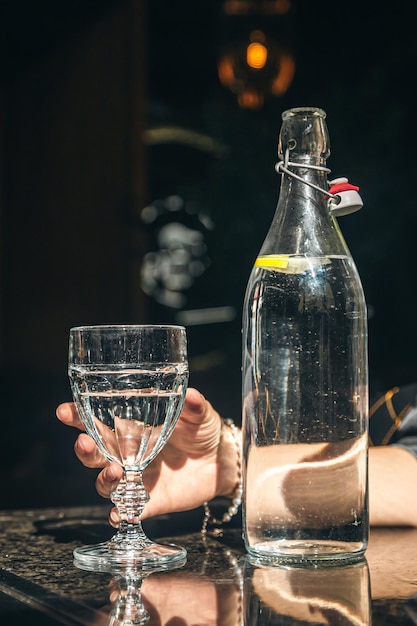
(198, 416)
(114, 518)
(195, 406)
(88, 453)
(108, 478)
(68, 414)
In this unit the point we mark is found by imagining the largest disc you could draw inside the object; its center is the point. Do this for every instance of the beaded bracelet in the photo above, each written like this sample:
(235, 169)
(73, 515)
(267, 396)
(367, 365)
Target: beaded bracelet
(236, 497)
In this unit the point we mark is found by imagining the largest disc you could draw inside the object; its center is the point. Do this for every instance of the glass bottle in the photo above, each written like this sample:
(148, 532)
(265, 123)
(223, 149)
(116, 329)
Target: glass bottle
(304, 369)
(291, 595)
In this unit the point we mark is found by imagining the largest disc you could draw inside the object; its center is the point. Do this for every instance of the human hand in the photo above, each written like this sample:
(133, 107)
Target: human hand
(198, 462)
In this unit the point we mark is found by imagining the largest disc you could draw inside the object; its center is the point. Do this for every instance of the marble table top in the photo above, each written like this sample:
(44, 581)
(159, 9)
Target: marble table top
(39, 583)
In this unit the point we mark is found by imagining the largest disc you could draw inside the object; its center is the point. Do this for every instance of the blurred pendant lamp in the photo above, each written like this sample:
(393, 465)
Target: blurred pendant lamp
(255, 57)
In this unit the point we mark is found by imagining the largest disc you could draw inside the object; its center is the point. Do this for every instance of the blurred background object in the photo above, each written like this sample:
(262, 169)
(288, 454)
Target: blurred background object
(256, 49)
(138, 144)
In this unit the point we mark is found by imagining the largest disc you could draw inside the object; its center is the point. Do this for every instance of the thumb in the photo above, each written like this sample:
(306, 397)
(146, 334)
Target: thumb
(195, 406)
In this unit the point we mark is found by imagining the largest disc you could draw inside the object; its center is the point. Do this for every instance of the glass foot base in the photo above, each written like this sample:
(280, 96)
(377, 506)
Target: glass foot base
(109, 556)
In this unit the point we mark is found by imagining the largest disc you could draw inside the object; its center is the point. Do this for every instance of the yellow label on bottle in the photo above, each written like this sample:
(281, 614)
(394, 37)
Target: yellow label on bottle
(280, 261)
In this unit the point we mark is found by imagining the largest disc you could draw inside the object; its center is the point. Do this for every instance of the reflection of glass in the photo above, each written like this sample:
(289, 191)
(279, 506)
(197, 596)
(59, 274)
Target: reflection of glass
(208, 592)
(129, 384)
(315, 595)
(127, 606)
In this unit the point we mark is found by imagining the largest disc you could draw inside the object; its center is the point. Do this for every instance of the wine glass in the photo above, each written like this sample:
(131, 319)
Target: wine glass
(129, 383)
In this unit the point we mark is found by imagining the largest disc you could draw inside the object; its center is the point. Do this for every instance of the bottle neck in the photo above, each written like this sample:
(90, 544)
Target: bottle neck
(309, 171)
(302, 223)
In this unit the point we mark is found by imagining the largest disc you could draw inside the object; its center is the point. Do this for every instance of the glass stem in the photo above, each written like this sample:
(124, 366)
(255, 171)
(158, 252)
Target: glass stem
(129, 608)
(130, 497)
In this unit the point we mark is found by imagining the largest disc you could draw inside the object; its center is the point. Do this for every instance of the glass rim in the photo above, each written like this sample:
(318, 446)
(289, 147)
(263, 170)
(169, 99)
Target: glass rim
(313, 111)
(90, 327)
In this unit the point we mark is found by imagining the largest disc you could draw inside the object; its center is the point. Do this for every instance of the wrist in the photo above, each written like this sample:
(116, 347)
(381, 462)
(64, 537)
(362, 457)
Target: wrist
(230, 460)
(230, 472)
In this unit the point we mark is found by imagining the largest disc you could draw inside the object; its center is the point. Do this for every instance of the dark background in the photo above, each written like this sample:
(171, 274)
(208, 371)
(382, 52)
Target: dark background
(84, 85)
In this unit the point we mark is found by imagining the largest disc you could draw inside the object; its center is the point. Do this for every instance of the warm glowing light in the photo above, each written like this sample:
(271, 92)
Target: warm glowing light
(263, 7)
(250, 100)
(285, 76)
(225, 70)
(277, 7)
(256, 55)
(256, 62)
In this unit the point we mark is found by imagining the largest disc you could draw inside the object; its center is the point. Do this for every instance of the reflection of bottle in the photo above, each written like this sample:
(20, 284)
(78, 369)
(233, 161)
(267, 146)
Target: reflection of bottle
(304, 595)
(305, 370)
